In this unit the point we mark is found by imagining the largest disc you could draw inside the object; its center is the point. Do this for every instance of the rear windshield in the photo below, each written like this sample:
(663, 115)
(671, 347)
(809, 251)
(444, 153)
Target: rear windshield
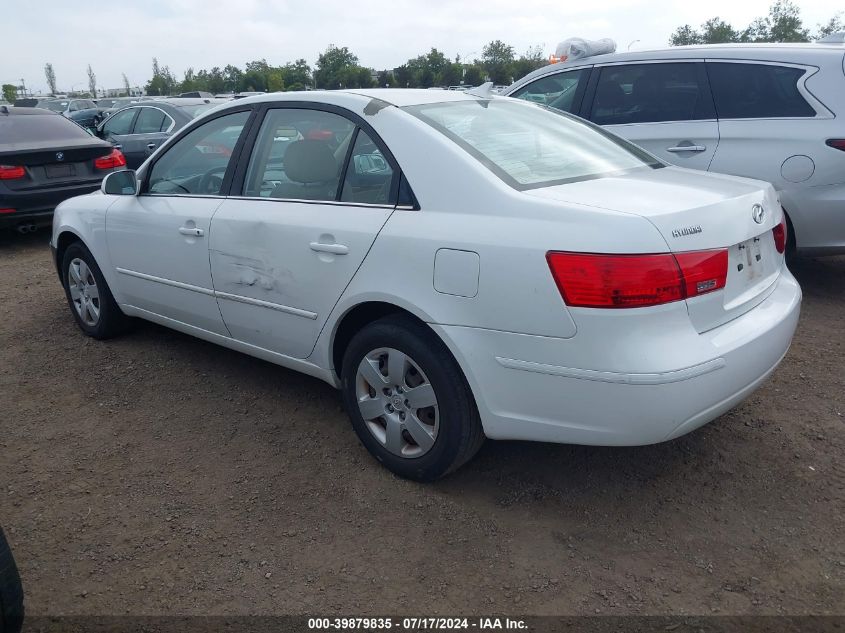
(194, 111)
(27, 128)
(530, 146)
(55, 106)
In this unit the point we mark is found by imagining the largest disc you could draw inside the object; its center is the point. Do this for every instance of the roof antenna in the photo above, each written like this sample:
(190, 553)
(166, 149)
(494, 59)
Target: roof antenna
(485, 90)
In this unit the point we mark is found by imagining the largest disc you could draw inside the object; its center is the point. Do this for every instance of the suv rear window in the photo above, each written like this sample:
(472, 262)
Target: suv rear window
(23, 129)
(646, 93)
(757, 91)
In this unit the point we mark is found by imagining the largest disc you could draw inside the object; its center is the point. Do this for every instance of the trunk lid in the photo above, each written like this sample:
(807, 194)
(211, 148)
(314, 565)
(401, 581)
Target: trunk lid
(56, 166)
(694, 211)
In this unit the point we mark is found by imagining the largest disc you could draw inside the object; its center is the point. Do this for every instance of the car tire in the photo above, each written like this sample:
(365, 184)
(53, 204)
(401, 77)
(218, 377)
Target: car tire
(88, 295)
(453, 422)
(11, 592)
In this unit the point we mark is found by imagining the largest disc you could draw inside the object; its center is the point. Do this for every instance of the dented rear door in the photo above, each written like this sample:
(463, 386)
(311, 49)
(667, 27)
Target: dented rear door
(280, 266)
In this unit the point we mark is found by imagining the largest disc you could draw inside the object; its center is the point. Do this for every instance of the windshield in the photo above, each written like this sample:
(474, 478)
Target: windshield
(55, 106)
(530, 146)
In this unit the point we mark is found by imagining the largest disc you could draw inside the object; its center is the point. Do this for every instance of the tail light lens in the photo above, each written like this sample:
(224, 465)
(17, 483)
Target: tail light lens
(11, 172)
(591, 280)
(112, 161)
(836, 143)
(779, 233)
(7, 210)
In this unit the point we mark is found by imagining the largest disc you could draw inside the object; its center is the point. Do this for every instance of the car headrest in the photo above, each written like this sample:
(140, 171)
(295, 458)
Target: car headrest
(308, 161)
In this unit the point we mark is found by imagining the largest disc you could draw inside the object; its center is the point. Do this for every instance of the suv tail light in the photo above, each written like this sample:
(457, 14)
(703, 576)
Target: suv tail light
(11, 172)
(592, 280)
(779, 233)
(836, 143)
(113, 160)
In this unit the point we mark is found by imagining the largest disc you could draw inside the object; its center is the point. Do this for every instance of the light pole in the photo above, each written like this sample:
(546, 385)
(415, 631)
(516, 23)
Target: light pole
(632, 43)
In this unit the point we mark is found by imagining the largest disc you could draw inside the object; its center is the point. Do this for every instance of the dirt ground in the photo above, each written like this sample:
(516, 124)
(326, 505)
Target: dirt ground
(159, 474)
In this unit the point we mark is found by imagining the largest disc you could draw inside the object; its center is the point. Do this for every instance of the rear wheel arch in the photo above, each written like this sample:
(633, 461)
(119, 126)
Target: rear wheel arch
(791, 240)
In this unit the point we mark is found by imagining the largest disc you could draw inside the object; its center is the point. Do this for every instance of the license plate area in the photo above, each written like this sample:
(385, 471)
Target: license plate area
(60, 171)
(749, 260)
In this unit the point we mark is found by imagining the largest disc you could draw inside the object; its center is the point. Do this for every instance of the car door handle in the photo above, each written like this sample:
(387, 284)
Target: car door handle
(686, 148)
(151, 146)
(189, 230)
(335, 249)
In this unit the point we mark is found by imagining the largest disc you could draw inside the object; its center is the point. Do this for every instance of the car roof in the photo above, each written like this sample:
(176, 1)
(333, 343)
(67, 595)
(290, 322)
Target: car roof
(392, 96)
(21, 110)
(788, 53)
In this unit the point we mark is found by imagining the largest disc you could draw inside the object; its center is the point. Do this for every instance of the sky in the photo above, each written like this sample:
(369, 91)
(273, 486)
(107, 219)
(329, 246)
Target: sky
(123, 36)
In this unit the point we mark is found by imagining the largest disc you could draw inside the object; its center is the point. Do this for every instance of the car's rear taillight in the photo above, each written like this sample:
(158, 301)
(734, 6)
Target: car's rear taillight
(779, 233)
(11, 172)
(112, 161)
(7, 211)
(593, 280)
(836, 143)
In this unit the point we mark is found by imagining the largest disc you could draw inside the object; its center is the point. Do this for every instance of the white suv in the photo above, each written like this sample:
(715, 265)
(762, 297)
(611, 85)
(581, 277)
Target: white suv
(772, 112)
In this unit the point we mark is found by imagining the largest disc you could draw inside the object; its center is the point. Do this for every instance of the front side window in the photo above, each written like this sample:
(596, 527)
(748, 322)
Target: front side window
(556, 91)
(530, 146)
(299, 155)
(757, 91)
(150, 121)
(646, 93)
(369, 177)
(196, 164)
(119, 123)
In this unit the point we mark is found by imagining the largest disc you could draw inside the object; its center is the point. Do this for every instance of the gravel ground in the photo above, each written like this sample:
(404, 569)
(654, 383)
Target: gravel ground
(159, 474)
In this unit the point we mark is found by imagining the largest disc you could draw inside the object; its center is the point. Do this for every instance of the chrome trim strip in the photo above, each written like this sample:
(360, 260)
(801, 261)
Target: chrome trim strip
(336, 203)
(659, 378)
(266, 304)
(220, 295)
(167, 282)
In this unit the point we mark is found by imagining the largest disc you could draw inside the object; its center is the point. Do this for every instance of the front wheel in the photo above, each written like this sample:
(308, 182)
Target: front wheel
(88, 295)
(409, 402)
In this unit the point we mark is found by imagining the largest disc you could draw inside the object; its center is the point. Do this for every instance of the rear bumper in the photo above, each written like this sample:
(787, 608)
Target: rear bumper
(37, 206)
(653, 383)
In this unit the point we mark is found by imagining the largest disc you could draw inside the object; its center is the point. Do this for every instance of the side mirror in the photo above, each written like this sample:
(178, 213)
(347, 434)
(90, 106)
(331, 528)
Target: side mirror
(120, 183)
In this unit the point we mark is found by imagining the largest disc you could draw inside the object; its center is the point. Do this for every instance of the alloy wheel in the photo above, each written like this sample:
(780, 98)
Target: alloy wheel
(84, 292)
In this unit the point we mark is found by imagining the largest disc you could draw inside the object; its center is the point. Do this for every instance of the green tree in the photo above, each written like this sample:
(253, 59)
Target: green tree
(126, 85)
(717, 31)
(232, 76)
(50, 75)
(333, 67)
(530, 61)
(385, 79)
(497, 60)
(163, 81)
(297, 75)
(403, 76)
(275, 80)
(473, 75)
(685, 36)
(834, 25)
(92, 82)
(10, 92)
(450, 75)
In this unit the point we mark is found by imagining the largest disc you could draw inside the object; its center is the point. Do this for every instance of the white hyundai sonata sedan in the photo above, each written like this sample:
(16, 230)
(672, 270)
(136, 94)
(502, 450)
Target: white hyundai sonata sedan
(461, 267)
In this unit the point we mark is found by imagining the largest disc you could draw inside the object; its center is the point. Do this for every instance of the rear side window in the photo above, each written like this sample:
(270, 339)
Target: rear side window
(120, 123)
(23, 129)
(150, 120)
(757, 91)
(560, 91)
(644, 93)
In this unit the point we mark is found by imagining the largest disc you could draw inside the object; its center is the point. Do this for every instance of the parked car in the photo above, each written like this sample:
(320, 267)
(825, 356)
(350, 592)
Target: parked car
(772, 112)
(44, 159)
(458, 266)
(109, 106)
(11, 590)
(139, 129)
(82, 111)
(194, 94)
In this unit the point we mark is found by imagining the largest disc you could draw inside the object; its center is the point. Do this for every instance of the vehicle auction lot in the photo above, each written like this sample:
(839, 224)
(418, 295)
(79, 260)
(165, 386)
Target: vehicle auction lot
(159, 474)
